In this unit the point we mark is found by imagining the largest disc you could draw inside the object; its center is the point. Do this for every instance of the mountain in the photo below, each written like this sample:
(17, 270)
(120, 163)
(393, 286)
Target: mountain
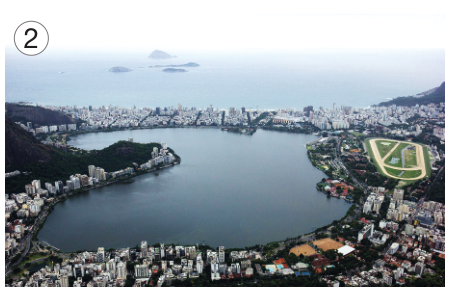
(63, 165)
(435, 95)
(21, 147)
(36, 115)
(156, 54)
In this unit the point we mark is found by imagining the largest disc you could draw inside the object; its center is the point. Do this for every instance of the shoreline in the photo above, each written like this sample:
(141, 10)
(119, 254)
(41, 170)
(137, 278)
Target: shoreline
(64, 197)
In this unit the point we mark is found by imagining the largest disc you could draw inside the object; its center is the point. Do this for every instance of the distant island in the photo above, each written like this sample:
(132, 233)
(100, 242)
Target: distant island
(190, 64)
(119, 69)
(156, 54)
(173, 70)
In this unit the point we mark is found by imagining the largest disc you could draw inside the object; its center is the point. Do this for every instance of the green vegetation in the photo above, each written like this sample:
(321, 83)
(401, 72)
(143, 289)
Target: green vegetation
(404, 173)
(30, 258)
(385, 148)
(426, 156)
(397, 154)
(410, 158)
(357, 134)
(436, 97)
(437, 190)
(411, 173)
(394, 172)
(371, 154)
(62, 165)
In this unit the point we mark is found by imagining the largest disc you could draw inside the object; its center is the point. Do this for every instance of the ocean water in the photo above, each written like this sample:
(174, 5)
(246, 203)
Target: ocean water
(267, 81)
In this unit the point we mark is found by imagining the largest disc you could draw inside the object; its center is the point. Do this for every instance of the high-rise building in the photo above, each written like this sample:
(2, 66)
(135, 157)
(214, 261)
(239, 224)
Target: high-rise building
(144, 249)
(59, 186)
(111, 265)
(36, 184)
(99, 173)
(200, 266)
(366, 232)
(69, 184)
(91, 169)
(78, 270)
(419, 268)
(158, 111)
(409, 229)
(162, 250)
(398, 194)
(141, 271)
(121, 271)
(64, 281)
(307, 110)
(101, 255)
(29, 189)
(377, 206)
(221, 254)
(394, 248)
(76, 182)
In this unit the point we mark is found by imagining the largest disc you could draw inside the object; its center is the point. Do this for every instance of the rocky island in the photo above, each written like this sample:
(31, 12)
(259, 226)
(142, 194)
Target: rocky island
(190, 64)
(156, 54)
(173, 70)
(120, 69)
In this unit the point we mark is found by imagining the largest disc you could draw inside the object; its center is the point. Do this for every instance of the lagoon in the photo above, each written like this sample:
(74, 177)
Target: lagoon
(230, 189)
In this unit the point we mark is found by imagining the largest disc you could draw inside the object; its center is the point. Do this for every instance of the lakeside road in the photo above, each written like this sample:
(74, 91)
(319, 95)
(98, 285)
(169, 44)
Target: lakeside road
(419, 156)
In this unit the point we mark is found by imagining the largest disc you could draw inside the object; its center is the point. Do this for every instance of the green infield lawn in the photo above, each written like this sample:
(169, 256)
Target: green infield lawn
(426, 156)
(403, 173)
(394, 172)
(385, 148)
(410, 158)
(397, 155)
(411, 173)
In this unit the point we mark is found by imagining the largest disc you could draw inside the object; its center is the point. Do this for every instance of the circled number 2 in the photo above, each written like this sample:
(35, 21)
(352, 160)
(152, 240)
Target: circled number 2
(32, 39)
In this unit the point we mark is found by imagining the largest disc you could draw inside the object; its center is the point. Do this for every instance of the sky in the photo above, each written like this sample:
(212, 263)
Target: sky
(231, 26)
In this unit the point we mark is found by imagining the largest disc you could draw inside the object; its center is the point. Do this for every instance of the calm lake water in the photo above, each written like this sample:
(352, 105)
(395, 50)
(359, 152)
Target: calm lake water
(230, 189)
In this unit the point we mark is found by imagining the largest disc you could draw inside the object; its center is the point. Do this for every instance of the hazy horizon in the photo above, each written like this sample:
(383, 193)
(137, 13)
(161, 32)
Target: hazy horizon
(232, 26)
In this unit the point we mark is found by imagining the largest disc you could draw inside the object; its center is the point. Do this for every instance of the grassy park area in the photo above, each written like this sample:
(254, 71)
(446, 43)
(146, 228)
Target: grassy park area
(385, 146)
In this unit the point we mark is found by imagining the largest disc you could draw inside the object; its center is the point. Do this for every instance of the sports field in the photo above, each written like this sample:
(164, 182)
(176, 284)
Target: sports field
(303, 249)
(398, 159)
(327, 243)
